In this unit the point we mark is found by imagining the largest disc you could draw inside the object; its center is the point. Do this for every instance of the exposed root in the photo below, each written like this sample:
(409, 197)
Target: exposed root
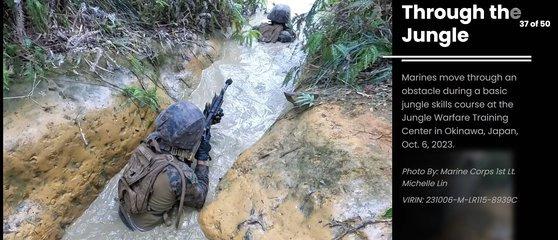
(290, 151)
(253, 220)
(352, 225)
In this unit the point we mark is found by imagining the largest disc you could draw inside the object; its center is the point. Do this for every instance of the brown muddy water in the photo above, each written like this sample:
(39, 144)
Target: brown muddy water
(252, 104)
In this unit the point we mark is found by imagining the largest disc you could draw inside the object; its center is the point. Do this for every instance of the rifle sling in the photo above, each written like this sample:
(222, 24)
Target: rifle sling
(183, 188)
(158, 148)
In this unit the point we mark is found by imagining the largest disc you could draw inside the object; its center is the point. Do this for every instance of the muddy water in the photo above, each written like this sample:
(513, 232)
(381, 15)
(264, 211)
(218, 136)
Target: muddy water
(252, 104)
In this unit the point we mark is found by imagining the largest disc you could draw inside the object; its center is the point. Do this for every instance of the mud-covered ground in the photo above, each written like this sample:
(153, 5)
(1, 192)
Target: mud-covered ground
(58, 175)
(319, 173)
(62, 147)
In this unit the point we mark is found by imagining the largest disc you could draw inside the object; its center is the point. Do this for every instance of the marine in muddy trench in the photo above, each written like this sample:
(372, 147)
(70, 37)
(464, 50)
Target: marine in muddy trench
(278, 29)
(152, 183)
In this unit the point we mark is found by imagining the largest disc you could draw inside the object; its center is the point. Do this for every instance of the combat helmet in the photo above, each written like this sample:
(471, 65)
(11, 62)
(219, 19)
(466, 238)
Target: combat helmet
(280, 13)
(180, 128)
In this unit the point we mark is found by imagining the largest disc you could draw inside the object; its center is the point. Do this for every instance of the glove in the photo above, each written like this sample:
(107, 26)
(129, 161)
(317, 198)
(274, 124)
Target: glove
(218, 116)
(203, 150)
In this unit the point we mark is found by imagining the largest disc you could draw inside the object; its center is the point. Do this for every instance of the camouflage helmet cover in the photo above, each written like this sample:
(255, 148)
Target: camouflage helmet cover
(180, 125)
(280, 13)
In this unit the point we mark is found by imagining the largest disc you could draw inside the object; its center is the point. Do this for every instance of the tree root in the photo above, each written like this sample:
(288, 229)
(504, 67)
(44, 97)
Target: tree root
(353, 225)
(253, 219)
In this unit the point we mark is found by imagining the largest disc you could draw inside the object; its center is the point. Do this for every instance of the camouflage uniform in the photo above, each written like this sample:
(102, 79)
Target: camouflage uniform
(178, 130)
(278, 29)
(196, 190)
(166, 193)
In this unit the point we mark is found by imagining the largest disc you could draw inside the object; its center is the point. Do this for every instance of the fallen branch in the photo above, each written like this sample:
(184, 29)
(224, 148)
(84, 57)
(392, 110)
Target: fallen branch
(44, 108)
(290, 151)
(267, 154)
(129, 49)
(375, 136)
(74, 41)
(92, 67)
(97, 57)
(107, 82)
(81, 131)
(348, 229)
(35, 84)
(364, 94)
(115, 63)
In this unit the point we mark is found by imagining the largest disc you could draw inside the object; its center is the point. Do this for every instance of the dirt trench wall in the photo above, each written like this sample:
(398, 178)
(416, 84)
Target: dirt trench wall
(323, 174)
(50, 174)
(59, 176)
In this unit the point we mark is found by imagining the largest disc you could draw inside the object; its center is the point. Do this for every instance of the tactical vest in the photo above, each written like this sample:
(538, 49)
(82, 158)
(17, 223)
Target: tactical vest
(136, 183)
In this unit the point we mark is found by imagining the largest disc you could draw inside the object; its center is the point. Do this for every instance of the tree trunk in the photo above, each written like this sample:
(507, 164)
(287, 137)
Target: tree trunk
(20, 20)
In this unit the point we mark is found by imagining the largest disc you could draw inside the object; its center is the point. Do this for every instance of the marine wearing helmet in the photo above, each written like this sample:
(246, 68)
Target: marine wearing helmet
(179, 130)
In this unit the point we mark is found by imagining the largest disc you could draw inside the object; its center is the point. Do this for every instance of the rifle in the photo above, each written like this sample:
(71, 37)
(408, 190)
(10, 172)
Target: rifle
(211, 111)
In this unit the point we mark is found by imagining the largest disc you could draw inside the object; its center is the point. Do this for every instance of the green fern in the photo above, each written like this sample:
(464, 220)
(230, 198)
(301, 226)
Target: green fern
(250, 6)
(5, 75)
(29, 68)
(29, 72)
(379, 74)
(39, 54)
(27, 43)
(315, 42)
(345, 40)
(136, 66)
(247, 37)
(27, 60)
(389, 213)
(38, 12)
(292, 75)
(238, 20)
(142, 97)
(162, 3)
(239, 23)
(305, 99)
(63, 20)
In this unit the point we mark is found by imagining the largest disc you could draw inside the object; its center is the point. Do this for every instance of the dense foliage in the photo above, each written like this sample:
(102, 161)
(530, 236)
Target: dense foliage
(36, 30)
(344, 41)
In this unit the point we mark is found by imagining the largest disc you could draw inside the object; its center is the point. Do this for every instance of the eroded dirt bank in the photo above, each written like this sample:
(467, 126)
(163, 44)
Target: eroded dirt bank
(59, 152)
(59, 176)
(321, 174)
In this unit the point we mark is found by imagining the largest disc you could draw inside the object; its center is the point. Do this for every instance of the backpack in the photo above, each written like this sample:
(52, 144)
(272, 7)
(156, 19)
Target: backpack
(136, 183)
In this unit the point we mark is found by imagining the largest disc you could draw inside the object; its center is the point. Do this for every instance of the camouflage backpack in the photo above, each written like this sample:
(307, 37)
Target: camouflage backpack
(136, 183)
